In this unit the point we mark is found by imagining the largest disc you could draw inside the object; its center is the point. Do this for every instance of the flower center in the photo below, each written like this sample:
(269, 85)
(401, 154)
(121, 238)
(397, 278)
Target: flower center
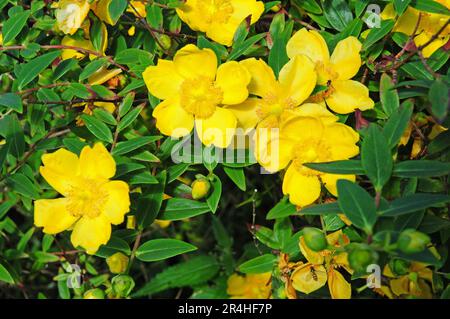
(271, 104)
(218, 11)
(325, 73)
(310, 151)
(87, 199)
(200, 97)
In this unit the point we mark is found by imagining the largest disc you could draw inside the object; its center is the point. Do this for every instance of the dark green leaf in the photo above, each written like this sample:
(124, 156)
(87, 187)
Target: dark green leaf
(160, 249)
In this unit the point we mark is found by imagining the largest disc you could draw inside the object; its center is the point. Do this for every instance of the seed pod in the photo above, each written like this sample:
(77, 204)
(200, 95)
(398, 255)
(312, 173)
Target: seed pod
(96, 293)
(360, 257)
(412, 241)
(314, 238)
(122, 285)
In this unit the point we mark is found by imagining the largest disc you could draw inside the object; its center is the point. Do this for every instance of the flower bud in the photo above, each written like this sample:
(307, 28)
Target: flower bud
(360, 257)
(411, 241)
(399, 267)
(122, 285)
(131, 222)
(117, 263)
(200, 188)
(165, 41)
(96, 293)
(314, 238)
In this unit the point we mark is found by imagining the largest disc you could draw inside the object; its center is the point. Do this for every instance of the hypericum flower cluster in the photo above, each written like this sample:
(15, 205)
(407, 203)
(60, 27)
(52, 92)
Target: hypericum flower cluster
(91, 202)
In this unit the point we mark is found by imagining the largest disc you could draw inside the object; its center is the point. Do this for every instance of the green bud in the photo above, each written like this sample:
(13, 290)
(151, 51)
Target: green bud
(314, 238)
(200, 188)
(399, 267)
(96, 293)
(412, 241)
(122, 285)
(361, 256)
(165, 41)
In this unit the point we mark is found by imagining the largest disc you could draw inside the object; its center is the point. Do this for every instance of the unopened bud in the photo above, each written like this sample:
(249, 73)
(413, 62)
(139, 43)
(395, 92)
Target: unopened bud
(399, 267)
(117, 263)
(314, 238)
(122, 285)
(96, 293)
(360, 257)
(412, 241)
(200, 188)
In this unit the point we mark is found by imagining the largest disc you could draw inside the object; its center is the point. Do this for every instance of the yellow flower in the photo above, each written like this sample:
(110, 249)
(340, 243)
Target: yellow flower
(117, 263)
(219, 19)
(91, 202)
(429, 25)
(273, 99)
(70, 14)
(137, 8)
(257, 286)
(322, 268)
(84, 44)
(415, 283)
(343, 95)
(194, 90)
(311, 136)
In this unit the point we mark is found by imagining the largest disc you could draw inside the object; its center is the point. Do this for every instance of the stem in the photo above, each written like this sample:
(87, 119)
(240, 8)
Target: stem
(133, 252)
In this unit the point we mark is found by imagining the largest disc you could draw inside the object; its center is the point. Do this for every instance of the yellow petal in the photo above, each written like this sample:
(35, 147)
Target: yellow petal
(246, 113)
(52, 214)
(91, 233)
(339, 287)
(388, 12)
(407, 22)
(345, 59)
(329, 180)
(348, 95)
(337, 237)
(137, 8)
(310, 255)
(272, 152)
(218, 129)
(302, 190)
(81, 43)
(424, 37)
(298, 79)
(103, 75)
(162, 80)
(222, 33)
(118, 201)
(244, 8)
(172, 119)
(60, 170)
(263, 79)
(192, 62)
(108, 106)
(400, 286)
(309, 278)
(191, 13)
(309, 43)
(96, 162)
(317, 111)
(302, 128)
(101, 10)
(71, 14)
(233, 79)
(342, 141)
(236, 285)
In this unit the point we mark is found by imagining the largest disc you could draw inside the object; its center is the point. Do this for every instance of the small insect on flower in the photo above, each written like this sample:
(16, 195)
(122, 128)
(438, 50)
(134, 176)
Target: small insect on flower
(91, 201)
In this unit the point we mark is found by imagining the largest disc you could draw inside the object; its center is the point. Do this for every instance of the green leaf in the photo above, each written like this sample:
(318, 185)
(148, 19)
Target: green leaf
(143, 178)
(321, 209)
(45, 258)
(413, 203)
(160, 249)
(92, 67)
(258, 265)
(344, 167)
(376, 157)
(133, 144)
(150, 202)
(430, 6)
(282, 209)
(377, 34)
(181, 208)
(193, 272)
(388, 95)
(13, 131)
(236, 174)
(241, 49)
(173, 172)
(214, 198)
(116, 9)
(12, 101)
(34, 67)
(5, 276)
(438, 96)
(401, 5)
(13, 26)
(357, 205)
(104, 116)
(397, 123)
(114, 245)
(337, 13)
(23, 185)
(155, 16)
(98, 128)
(421, 168)
(129, 118)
